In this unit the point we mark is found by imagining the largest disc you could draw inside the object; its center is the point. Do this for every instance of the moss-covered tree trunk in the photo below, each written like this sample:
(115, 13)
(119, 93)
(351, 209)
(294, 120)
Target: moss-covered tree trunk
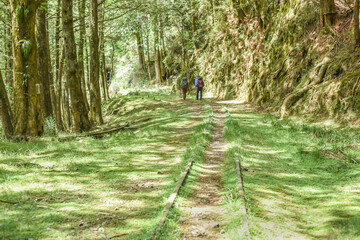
(95, 98)
(66, 104)
(59, 63)
(81, 8)
(157, 59)
(44, 62)
(140, 48)
(8, 50)
(165, 70)
(79, 113)
(87, 67)
(5, 111)
(148, 54)
(59, 95)
(27, 110)
(102, 53)
(194, 9)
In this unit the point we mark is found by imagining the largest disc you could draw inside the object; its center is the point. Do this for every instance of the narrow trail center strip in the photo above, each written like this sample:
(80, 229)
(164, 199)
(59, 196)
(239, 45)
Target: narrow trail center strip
(203, 215)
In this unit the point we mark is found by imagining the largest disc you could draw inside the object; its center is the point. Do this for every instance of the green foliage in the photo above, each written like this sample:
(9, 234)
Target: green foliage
(28, 12)
(20, 13)
(26, 47)
(49, 127)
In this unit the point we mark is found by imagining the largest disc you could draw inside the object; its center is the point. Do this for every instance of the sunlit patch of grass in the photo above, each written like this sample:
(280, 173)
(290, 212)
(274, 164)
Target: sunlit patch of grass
(88, 188)
(195, 150)
(295, 180)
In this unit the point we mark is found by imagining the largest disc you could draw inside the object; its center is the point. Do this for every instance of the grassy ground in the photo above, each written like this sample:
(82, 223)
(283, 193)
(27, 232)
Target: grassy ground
(301, 182)
(196, 149)
(91, 189)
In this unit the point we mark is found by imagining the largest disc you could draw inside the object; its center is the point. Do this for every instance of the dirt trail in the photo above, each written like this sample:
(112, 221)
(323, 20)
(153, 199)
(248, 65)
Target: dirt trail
(202, 217)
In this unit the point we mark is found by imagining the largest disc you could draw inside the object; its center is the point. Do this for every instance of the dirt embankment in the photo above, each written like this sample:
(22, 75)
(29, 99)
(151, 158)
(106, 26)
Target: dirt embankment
(286, 62)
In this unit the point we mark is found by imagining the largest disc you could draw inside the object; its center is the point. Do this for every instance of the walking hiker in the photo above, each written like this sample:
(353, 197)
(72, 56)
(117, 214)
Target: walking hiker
(199, 83)
(184, 86)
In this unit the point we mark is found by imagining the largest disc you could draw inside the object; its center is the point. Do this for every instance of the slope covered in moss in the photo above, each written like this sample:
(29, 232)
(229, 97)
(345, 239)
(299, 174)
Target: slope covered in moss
(279, 57)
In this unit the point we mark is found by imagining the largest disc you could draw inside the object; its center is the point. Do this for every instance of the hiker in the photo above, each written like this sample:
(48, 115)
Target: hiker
(184, 86)
(199, 83)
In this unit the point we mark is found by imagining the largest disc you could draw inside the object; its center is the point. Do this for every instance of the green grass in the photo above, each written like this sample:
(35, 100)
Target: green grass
(89, 188)
(302, 181)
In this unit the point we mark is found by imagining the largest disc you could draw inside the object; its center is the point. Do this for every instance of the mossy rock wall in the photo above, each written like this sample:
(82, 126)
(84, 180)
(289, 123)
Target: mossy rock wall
(265, 60)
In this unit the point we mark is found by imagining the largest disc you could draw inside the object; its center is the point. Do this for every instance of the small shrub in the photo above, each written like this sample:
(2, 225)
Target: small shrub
(49, 126)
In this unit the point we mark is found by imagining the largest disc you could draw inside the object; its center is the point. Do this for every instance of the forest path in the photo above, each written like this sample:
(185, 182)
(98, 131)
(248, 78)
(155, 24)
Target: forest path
(202, 215)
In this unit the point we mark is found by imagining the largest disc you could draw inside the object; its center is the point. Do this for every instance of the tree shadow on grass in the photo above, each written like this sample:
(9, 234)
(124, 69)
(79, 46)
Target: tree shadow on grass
(298, 190)
(122, 180)
(42, 215)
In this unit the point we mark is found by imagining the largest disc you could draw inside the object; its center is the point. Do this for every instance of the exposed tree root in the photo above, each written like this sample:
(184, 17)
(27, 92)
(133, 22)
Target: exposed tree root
(98, 134)
(295, 96)
(102, 133)
(8, 202)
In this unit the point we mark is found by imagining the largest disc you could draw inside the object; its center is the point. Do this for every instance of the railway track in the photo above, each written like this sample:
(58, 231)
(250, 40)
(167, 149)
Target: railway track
(186, 172)
(241, 185)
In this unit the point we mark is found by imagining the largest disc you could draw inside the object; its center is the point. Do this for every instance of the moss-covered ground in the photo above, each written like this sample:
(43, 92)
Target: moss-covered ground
(89, 188)
(301, 182)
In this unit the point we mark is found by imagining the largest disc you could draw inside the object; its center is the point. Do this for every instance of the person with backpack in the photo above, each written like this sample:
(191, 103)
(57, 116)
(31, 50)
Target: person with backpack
(199, 83)
(184, 86)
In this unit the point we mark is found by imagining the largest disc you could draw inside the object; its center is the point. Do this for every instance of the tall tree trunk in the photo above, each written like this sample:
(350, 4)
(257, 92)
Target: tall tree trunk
(44, 62)
(79, 113)
(165, 71)
(59, 62)
(194, 9)
(157, 55)
(27, 111)
(148, 54)
(66, 104)
(59, 95)
(356, 23)
(102, 54)
(140, 47)
(81, 7)
(158, 66)
(327, 12)
(95, 98)
(87, 64)
(183, 52)
(112, 60)
(5, 111)
(8, 50)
